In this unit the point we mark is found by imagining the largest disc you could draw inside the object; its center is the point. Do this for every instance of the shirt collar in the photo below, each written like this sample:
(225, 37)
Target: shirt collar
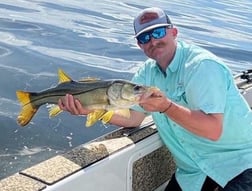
(173, 66)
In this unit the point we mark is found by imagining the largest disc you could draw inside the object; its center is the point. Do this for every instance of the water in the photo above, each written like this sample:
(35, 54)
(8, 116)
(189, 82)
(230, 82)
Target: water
(87, 38)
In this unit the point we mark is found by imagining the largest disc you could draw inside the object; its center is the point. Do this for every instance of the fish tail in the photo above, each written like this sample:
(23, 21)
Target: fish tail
(28, 109)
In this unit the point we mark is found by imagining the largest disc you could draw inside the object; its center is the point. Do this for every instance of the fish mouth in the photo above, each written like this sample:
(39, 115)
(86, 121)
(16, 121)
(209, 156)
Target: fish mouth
(147, 92)
(138, 97)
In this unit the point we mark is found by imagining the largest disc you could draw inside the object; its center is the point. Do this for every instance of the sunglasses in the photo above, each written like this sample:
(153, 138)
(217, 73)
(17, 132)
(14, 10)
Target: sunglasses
(156, 33)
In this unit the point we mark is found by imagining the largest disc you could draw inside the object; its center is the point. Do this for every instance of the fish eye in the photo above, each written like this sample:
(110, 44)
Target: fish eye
(137, 88)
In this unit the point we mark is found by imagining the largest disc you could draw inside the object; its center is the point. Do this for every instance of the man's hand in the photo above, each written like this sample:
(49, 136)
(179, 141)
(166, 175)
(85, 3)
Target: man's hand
(72, 105)
(155, 102)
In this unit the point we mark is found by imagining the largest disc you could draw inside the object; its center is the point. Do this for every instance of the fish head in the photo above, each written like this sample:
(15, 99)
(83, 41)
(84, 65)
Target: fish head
(124, 94)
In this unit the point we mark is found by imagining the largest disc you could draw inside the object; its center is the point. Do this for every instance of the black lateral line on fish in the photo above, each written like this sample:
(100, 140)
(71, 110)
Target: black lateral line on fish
(77, 93)
(53, 95)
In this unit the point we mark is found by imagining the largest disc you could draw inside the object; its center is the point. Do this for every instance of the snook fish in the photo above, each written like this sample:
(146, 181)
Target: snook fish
(103, 97)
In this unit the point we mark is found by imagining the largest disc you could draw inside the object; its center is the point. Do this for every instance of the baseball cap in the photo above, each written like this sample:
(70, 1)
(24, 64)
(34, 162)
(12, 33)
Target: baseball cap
(150, 18)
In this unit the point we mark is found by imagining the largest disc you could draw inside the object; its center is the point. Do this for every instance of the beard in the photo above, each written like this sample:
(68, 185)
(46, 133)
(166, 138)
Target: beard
(157, 46)
(154, 51)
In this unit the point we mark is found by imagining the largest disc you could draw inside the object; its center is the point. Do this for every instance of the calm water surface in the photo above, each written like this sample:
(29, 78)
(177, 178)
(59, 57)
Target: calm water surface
(87, 38)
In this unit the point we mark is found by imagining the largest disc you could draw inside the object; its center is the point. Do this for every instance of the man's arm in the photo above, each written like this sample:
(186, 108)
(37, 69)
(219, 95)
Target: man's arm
(135, 119)
(195, 121)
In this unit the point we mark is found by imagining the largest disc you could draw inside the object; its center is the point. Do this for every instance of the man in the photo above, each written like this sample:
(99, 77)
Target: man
(200, 114)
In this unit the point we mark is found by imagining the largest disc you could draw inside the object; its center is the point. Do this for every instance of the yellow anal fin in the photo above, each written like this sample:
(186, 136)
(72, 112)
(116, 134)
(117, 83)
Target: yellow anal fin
(53, 110)
(93, 117)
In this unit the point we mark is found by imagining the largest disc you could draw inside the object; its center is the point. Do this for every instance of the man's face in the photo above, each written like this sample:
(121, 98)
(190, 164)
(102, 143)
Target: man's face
(159, 48)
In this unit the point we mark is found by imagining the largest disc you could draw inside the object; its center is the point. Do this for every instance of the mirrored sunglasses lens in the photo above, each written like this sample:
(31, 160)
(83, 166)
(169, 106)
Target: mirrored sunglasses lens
(159, 33)
(144, 38)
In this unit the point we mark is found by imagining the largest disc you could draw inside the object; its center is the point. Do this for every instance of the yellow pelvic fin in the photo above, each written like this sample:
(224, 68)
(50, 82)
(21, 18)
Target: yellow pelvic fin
(27, 110)
(93, 117)
(107, 116)
(53, 110)
(63, 77)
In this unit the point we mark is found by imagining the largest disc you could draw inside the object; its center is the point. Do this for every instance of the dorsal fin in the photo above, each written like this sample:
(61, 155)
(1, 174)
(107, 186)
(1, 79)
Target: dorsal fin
(89, 79)
(63, 77)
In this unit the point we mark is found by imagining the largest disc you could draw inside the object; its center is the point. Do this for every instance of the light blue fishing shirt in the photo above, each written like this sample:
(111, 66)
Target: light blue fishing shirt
(198, 80)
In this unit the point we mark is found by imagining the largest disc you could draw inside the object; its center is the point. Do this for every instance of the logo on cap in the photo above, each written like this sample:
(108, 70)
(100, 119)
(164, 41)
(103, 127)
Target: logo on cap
(147, 17)
(150, 18)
